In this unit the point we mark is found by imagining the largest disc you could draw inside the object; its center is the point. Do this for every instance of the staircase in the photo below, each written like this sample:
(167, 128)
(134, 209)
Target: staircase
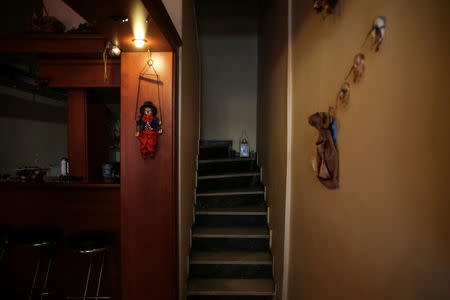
(230, 257)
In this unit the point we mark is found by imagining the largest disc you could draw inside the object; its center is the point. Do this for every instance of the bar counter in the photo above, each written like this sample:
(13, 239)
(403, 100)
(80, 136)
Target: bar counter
(72, 207)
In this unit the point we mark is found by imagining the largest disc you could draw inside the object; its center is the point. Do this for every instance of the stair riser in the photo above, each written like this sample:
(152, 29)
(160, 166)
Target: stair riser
(230, 298)
(230, 201)
(230, 221)
(230, 271)
(227, 167)
(215, 184)
(230, 244)
(213, 153)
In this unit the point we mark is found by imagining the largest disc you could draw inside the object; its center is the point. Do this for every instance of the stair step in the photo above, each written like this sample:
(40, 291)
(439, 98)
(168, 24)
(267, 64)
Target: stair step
(231, 192)
(221, 160)
(257, 210)
(231, 232)
(229, 175)
(231, 287)
(214, 151)
(231, 258)
(225, 182)
(226, 166)
(230, 201)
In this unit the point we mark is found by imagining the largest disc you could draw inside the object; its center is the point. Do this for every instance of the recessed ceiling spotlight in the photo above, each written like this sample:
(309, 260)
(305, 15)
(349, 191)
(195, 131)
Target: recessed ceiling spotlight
(139, 43)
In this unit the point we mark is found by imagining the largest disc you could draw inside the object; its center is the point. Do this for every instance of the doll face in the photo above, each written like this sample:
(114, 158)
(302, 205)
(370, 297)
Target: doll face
(147, 111)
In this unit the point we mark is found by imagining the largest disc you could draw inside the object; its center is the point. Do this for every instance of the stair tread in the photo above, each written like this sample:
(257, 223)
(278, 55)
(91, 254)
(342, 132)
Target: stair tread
(244, 210)
(231, 257)
(239, 191)
(230, 232)
(213, 175)
(217, 160)
(250, 287)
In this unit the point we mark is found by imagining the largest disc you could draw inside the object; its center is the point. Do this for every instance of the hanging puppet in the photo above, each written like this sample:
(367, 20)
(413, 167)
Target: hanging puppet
(149, 129)
(343, 96)
(326, 7)
(377, 32)
(357, 68)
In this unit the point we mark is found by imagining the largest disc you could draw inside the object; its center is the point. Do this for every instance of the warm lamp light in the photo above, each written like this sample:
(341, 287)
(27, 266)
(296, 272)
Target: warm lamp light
(139, 43)
(115, 51)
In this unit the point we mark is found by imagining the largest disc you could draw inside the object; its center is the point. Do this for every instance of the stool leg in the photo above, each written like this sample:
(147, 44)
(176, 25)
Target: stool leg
(88, 276)
(35, 277)
(100, 276)
(2, 252)
(44, 288)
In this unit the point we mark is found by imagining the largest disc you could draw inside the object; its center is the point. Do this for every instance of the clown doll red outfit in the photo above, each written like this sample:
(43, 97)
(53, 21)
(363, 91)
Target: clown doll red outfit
(149, 129)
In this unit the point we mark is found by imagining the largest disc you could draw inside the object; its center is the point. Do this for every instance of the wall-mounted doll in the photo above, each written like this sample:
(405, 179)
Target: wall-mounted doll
(325, 7)
(358, 67)
(149, 129)
(377, 32)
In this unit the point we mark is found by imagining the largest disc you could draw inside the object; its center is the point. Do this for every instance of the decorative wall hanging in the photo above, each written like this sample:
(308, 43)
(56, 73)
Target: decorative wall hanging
(149, 126)
(343, 96)
(357, 68)
(149, 129)
(325, 7)
(327, 159)
(377, 32)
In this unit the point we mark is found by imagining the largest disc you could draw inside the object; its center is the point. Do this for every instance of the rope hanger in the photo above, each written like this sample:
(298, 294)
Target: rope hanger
(149, 70)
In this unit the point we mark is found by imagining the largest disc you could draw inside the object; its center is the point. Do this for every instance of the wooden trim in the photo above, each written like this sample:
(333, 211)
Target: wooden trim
(52, 43)
(159, 14)
(175, 105)
(78, 73)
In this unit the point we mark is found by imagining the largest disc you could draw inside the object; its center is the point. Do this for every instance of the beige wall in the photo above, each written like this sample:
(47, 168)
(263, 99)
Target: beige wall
(188, 136)
(272, 123)
(33, 130)
(229, 48)
(385, 234)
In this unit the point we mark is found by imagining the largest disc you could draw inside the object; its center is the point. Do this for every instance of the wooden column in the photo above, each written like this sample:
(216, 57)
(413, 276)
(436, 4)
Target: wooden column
(77, 132)
(148, 198)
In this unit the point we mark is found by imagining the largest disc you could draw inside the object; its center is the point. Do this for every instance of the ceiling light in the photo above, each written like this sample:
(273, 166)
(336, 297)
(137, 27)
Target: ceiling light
(139, 43)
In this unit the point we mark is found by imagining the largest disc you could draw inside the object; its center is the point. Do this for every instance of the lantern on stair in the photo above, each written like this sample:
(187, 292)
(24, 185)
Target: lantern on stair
(244, 150)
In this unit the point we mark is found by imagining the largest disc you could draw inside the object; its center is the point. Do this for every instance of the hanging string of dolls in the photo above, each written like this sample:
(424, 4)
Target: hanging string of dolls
(148, 125)
(326, 160)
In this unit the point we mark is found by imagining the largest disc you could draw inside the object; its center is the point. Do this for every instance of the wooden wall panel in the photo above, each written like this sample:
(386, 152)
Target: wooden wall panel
(77, 132)
(148, 199)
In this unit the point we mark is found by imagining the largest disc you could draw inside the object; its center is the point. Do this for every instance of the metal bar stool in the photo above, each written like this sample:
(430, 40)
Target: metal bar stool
(91, 243)
(43, 239)
(5, 232)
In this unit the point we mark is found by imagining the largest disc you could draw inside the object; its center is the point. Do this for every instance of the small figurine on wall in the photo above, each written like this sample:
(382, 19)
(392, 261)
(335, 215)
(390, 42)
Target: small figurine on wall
(377, 32)
(149, 129)
(344, 94)
(326, 7)
(357, 67)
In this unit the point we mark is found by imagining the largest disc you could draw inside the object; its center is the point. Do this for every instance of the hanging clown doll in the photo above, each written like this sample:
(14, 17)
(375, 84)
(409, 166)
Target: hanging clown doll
(149, 129)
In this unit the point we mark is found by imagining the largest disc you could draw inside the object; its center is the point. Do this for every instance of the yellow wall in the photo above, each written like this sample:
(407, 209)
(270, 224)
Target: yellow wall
(272, 123)
(189, 136)
(385, 234)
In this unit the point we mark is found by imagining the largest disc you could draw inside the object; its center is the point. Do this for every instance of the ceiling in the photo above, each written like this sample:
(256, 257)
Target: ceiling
(105, 16)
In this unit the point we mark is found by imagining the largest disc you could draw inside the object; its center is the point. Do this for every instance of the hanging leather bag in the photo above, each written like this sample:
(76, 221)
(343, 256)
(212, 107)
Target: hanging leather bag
(327, 159)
